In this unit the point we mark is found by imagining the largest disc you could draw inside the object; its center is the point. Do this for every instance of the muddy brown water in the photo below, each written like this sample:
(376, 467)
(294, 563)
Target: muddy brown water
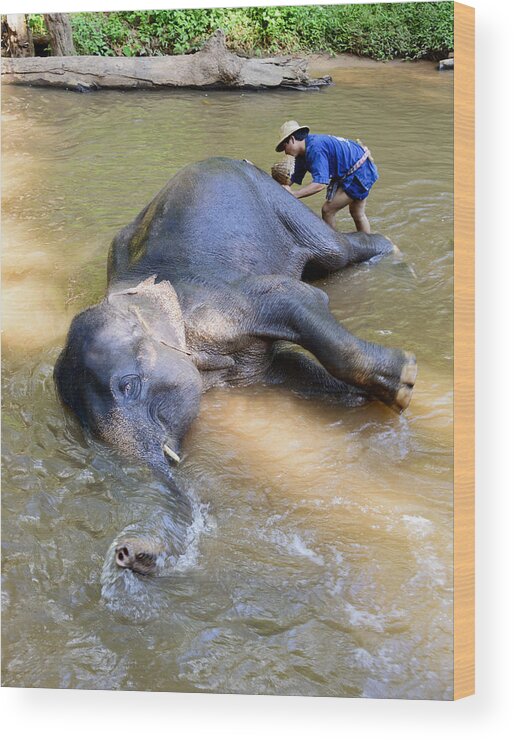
(320, 560)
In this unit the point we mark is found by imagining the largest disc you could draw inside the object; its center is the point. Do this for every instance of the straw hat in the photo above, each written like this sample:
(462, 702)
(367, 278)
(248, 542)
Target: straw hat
(288, 129)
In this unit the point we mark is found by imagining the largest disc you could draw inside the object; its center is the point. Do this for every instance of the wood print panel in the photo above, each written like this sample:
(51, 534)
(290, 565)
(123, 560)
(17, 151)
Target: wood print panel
(464, 158)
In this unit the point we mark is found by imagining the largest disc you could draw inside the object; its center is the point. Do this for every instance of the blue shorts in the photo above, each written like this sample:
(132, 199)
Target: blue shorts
(358, 185)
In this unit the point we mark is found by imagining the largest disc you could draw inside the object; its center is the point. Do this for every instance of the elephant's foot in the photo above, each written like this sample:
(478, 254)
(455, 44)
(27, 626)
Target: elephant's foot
(138, 554)
(407, 380)
(392, 383)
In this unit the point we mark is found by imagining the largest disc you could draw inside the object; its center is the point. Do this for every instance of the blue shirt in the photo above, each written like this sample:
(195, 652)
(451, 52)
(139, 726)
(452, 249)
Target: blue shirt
(326, 157)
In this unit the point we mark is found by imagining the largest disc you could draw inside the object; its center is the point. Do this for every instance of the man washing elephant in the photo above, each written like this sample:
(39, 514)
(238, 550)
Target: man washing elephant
(206, 288)
(343, 166)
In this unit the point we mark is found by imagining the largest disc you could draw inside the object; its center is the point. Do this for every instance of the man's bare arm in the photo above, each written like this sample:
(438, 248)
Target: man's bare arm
(311, 189)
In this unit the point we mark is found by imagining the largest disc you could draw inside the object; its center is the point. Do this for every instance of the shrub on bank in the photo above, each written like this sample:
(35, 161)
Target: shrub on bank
(381, 31)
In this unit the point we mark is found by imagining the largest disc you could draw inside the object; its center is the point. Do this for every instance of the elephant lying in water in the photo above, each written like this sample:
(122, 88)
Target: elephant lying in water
(204, 286)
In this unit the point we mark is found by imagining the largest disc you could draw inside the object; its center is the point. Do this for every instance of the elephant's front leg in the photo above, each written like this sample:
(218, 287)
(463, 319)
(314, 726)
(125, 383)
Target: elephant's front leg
(291, 310)
(303, 375)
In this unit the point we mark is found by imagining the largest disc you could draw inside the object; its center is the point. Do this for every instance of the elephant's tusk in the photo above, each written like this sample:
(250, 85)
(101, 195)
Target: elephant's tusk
(171, 453)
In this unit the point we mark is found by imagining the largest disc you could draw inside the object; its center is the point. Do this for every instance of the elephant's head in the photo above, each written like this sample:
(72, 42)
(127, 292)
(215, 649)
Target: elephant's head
(126, 373)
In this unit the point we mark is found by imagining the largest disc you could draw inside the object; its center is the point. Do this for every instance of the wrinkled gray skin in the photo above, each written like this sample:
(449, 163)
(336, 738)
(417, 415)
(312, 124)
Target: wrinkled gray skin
(204, 288)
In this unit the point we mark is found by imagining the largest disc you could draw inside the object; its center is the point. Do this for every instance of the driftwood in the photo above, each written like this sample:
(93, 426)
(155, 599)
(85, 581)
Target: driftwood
(212, 67)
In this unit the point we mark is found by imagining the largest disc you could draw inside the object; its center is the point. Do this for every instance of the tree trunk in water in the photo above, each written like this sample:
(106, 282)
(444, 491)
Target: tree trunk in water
(59, 30)
(19, 39)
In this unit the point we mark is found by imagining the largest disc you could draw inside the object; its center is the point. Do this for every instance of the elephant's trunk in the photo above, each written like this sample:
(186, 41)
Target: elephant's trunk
(154, 545)
(163, 544)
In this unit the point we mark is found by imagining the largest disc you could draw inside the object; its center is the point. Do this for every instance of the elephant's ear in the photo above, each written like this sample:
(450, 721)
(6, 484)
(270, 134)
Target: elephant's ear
(157, 308)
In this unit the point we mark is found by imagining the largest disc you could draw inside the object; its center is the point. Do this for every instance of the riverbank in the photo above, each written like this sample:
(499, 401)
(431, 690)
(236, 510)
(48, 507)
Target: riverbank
(323, 64)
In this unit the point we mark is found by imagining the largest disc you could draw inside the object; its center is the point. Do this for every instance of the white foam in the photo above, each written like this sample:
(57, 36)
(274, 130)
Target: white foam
(299, 546)
(294, 545)
(359, 618)
(418, 525)
(202, 523)
(430, 565)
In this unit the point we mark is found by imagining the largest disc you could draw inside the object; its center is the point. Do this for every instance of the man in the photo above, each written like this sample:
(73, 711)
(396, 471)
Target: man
(344, 166)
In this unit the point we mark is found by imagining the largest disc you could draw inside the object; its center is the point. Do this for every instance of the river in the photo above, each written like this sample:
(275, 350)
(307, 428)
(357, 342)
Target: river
(320, 561)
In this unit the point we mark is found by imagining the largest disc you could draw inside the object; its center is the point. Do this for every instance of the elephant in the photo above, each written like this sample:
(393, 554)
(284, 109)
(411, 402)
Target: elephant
(208, 287)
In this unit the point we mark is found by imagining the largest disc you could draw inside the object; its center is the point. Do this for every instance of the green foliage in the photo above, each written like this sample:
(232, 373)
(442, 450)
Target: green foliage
(37, 24)
(381, 31)
(408, 30)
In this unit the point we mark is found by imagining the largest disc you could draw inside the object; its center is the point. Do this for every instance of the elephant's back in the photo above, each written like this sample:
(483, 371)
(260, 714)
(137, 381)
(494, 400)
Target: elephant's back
(217, 216)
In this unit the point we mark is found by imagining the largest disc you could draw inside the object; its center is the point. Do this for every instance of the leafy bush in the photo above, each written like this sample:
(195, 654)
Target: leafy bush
(37, 25)
(380, 31)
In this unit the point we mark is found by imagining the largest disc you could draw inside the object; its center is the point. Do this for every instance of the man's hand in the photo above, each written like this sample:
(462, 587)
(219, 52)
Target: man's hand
(311, 189)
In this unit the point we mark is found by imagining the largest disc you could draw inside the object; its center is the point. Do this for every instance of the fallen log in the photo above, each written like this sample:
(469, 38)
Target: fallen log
(211, 67)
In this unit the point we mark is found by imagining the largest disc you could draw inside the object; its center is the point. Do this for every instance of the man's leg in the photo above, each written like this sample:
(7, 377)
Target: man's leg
(331, 207)
(358, 213)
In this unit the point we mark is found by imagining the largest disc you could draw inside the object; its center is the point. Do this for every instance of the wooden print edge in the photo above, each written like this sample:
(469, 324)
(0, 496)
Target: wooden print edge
(464, 345)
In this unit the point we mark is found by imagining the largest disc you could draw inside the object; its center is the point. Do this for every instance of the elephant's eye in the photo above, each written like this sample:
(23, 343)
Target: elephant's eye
(130, 386)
